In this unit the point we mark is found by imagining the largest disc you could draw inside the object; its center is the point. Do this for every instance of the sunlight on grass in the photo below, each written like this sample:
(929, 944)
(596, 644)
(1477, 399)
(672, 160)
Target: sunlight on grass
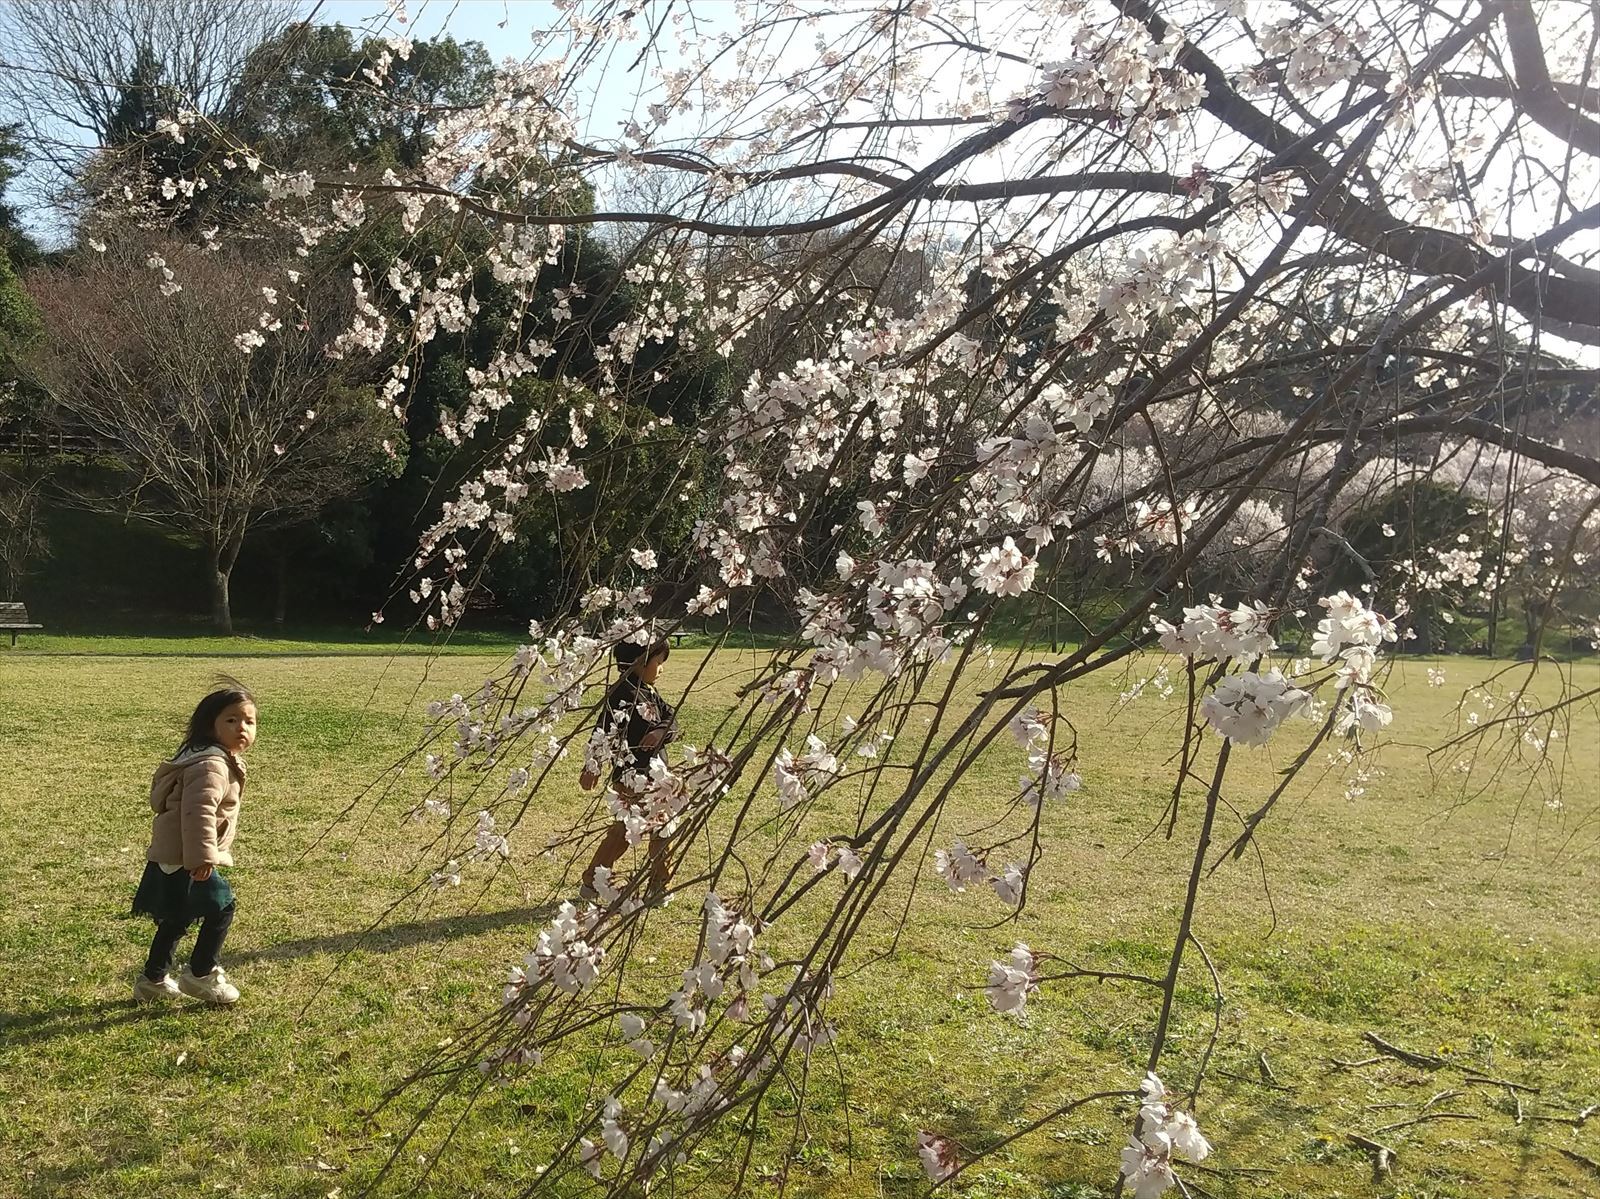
(1454, 925)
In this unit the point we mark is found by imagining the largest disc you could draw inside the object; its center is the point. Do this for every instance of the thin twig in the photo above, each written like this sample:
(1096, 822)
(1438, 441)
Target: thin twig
(1425, 1118)
(1580, 1158)
(1485, 1081)
(1576, 1121)
(1255, 1082)
(1439, 1096)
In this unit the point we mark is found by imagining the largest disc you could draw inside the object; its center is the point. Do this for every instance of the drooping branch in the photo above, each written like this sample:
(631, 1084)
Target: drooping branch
(1535, 90)
(1537, 294)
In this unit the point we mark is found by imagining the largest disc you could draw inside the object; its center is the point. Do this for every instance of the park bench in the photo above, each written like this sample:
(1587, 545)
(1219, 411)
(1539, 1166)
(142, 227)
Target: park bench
(14, 618)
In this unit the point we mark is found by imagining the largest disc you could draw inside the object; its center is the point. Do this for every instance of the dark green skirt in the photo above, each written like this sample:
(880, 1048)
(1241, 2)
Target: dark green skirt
(166, 897)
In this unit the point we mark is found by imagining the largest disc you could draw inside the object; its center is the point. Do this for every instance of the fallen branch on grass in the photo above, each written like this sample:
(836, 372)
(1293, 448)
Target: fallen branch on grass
(1576, 1121)
(1580, 1158)
(1424, 1061)
(1484, 1080)
(1382, 1156)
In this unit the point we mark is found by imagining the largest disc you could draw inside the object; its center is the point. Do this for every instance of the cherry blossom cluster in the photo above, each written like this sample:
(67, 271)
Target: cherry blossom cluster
(1247, 708)
(1011, 981)
(825, 854)
(727, 957)
(1052, 771)
(937, 1155)
(1351, 635)
(655, 801)
(904, 606)
(488, 844)
(1215, 631)
(1165, 1133)
(960, 867)
(800, 776)
(561, 956)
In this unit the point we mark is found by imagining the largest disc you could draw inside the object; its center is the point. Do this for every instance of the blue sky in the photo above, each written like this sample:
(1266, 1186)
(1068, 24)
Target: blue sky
(503, 26)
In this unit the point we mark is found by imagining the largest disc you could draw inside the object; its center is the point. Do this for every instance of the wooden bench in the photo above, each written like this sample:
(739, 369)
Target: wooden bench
(14, 619)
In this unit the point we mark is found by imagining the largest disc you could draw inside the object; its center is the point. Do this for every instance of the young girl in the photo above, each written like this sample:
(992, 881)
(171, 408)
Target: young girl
(196, 801)
(650, 724)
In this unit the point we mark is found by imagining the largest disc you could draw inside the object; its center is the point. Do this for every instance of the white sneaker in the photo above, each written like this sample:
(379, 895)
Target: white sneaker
(145, 991)
(213, 988)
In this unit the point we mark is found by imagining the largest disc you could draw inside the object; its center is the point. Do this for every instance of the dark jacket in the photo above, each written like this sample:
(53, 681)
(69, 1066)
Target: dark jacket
(645, 712)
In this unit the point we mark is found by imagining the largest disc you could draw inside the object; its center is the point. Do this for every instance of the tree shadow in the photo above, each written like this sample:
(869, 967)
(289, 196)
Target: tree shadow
(24, 1028)
(28, 1028)
(86, 1174)
(390, 938)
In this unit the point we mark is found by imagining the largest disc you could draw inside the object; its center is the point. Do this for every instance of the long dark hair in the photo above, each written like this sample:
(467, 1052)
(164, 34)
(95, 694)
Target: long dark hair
(202, 733)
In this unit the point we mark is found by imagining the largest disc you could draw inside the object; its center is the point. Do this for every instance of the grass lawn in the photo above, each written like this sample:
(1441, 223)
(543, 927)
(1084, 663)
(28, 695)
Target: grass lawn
(1466, 930)
(177, 641)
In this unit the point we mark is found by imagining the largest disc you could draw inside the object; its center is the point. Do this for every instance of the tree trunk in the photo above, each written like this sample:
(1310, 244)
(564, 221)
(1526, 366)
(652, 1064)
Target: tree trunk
(221, 607)
(224, 554)
(280, 603)
(1535, 611)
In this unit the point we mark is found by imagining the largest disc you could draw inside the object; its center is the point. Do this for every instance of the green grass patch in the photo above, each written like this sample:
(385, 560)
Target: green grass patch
(1451, 923)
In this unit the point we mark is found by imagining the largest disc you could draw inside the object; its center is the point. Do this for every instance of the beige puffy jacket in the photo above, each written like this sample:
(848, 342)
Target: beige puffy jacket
(196, 801)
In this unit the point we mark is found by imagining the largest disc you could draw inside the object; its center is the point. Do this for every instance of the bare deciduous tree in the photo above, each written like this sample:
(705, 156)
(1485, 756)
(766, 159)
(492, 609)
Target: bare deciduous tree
(65, 65)
(209, 440)
(23, 541)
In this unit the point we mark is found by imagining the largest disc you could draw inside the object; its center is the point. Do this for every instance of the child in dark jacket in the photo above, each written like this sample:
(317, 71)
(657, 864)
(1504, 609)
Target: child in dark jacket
(648, 724)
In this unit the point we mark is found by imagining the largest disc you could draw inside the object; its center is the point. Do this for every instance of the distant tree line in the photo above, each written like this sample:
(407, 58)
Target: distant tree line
(129, 413)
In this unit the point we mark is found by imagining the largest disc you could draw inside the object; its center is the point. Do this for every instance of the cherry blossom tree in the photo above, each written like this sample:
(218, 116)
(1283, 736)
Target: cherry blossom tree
(1190, 277)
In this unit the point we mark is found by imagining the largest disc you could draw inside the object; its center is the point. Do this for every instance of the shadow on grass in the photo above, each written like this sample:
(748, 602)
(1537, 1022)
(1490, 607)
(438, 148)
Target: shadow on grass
(78, 1018)
(390, 938)
(86, 1174)
(81, 1018)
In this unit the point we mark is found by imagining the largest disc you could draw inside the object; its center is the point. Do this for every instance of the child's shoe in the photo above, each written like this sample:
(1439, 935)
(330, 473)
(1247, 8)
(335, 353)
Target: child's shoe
(212, 988)
(147, 991)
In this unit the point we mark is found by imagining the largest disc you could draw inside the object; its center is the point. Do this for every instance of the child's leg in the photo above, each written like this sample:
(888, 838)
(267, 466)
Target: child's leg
(213, 932)
(162, 946)
(612, 847)
(660, 864)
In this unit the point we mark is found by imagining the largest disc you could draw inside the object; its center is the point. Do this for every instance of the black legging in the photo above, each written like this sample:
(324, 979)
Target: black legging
(207, 945)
